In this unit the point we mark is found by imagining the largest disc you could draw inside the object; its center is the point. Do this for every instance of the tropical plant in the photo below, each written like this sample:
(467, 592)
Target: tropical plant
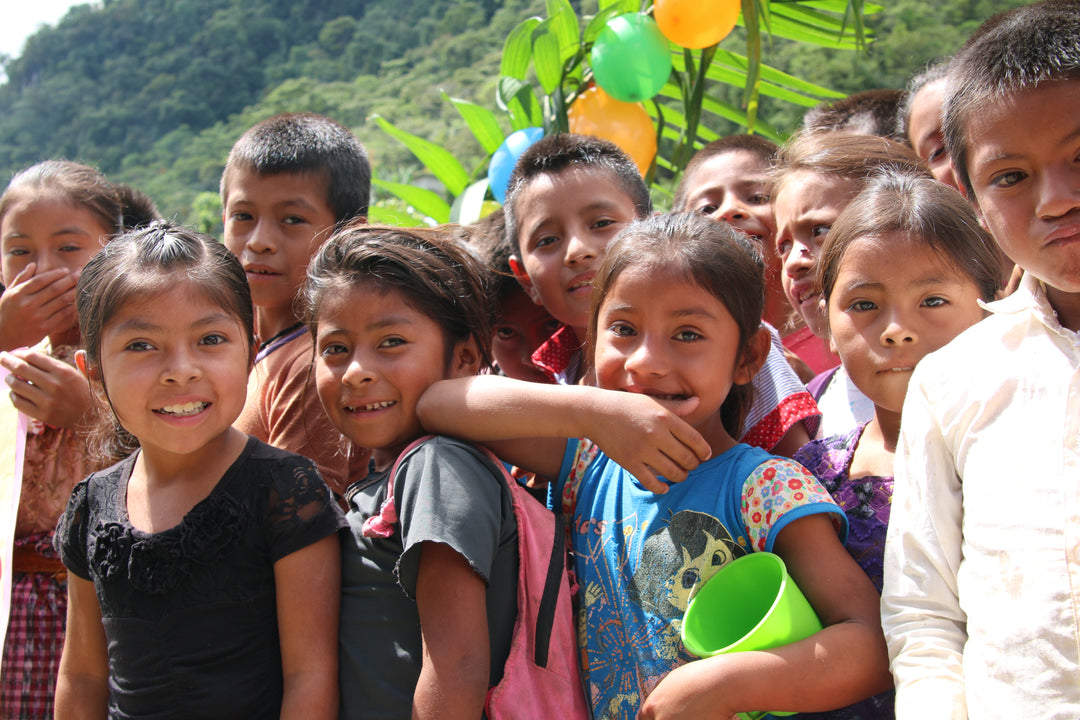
(545, 67)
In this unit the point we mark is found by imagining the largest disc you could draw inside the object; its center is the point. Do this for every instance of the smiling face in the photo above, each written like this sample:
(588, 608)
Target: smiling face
(734, 187)
(679, 345)
(806, 205)
(274, 224)
(894, 301)
(925, 134)
(1025, 172)
(174, 366)
(565, 223)
(375, 355)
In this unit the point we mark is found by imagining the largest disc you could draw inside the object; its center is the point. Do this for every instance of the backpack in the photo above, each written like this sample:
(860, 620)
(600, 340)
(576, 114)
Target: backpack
(541, 678)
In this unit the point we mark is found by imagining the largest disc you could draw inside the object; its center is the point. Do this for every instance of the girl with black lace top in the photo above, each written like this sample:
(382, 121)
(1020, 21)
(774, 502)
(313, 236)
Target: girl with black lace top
(204, 567)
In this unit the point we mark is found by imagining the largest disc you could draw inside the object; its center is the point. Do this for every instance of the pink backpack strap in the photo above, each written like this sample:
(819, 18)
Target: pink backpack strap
(382, 524)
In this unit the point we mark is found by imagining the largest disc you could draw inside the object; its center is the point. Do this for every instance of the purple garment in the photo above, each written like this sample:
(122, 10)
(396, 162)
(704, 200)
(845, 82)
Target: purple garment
(865, 501)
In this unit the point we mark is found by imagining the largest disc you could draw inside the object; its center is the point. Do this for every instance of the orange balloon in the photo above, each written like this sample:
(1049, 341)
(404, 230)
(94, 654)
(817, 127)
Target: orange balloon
(625, 124)
(696, 23)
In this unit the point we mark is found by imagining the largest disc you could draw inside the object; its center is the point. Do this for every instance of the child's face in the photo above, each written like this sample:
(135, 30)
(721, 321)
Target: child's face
(274, 224)
(521, 327)
(1024, 165)
(806, 206)
(924, 131)
(670, 339)
(565, 223)
(733, 186)
(375, 355)
(175, 367)
(51, 232)
(894, 301)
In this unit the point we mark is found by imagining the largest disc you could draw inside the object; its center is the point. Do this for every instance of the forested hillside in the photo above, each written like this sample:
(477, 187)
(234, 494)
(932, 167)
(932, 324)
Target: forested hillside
(154, 92)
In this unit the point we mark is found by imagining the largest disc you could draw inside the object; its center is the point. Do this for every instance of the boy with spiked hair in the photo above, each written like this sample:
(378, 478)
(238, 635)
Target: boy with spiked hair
(981, 607)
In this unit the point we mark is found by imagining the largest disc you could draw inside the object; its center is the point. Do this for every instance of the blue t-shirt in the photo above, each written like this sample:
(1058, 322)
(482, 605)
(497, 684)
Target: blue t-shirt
(640, 557)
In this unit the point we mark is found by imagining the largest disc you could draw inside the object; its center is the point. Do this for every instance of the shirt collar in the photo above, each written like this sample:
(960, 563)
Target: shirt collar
(558, 353)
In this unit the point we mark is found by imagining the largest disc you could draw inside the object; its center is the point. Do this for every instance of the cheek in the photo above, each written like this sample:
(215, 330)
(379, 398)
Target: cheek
(608, 364)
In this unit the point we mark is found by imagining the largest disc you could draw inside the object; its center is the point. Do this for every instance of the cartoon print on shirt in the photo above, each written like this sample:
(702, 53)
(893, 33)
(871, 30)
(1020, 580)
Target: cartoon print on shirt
(677, 560)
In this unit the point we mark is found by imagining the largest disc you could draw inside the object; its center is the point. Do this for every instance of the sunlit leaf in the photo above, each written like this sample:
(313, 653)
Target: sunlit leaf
(423, 200)
(439, 161)
(592, 30)
(482, 123)
(468, 206)
(564, 23)
(517, 50)
(546, 60)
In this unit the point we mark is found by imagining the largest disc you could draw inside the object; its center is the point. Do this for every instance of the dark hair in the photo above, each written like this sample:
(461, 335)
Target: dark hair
(435, 275)
(843, 155)
(869, 112)
(554, 154)
(716, 257)
(142, 264)
(306, 143)
(116, 207)
(487, 239)
(922, 209)
(763, 148)
(932, 74)
(1011, 52)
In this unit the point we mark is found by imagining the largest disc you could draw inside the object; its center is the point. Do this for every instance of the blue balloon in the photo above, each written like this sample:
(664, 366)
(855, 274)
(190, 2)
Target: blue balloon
(504, 159)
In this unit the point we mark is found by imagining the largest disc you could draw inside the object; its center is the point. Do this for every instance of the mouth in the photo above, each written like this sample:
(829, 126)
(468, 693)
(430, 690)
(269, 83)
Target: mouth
(370, 407)
(804, 295)
(260, 272)
(183, 410)
(582, 282)
(1064, 236)
(906, 368)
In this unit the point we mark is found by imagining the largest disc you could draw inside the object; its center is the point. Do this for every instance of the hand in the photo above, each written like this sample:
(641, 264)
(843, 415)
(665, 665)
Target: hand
(648, 440)
(47, 389)
(688, 691)
(35, 306)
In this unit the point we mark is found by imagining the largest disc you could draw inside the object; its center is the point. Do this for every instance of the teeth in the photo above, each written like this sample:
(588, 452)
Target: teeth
(190, 408)
(375, 406)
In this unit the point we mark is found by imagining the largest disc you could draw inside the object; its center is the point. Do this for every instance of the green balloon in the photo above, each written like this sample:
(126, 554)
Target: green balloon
(631, 59)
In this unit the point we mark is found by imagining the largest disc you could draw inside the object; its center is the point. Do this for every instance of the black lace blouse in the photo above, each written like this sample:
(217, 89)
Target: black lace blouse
(190, 613)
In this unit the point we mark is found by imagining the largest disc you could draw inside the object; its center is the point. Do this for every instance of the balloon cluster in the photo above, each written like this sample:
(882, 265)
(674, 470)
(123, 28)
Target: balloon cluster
(631, 62)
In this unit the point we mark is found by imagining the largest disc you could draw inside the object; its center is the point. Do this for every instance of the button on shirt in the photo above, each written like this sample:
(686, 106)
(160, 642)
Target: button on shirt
(982, 563)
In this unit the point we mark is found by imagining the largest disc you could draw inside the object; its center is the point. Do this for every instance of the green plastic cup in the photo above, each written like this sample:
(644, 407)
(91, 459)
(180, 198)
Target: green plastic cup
(749, 604)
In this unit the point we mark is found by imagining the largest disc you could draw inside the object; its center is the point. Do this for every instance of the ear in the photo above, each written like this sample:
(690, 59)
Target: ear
(465, 362)
(524, 280)
(92, 373)
(753, 356)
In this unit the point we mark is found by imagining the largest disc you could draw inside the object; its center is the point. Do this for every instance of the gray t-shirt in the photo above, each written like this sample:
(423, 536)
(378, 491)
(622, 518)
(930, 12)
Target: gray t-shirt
(445, 492)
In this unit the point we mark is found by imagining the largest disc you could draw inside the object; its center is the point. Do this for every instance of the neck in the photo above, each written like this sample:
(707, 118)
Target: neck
(719, 439)
(1066, 305)
(886, 424)
(876, 451)
(271, 321)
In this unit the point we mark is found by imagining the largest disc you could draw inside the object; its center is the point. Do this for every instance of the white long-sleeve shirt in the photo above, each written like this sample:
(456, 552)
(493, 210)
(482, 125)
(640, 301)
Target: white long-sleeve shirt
(981, 606)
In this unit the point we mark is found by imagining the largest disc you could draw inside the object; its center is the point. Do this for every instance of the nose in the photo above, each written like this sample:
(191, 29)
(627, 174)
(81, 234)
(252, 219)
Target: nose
(581, 247)
(357, 372)
(898, 330)
(1059, 192)
(800, 260)
(182, 366)
(646, 358)
(731, 210)
(261, 239)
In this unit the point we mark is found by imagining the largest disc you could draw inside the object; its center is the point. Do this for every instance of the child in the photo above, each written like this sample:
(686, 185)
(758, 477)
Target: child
(981, 592)
(869, 112)
(392, 311)
(919, 120)
(676, 319)
(204, 567)
(288, 182)
(816, 177)
(53, 217)
(902, 271)
(567, 198)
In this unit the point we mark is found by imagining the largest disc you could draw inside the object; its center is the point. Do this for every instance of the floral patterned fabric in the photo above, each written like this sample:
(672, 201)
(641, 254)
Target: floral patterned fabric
(190, 612)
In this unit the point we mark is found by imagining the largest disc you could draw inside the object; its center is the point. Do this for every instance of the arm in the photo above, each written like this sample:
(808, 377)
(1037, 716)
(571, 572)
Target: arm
(451, 600)
(82, 685)
(843, 663)
(47, 389)
(35, 306)
(308, 597)
(924, 624)
(793, 440)
(633, 430)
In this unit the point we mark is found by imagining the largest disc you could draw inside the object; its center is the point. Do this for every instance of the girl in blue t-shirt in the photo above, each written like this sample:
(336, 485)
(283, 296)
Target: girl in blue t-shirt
(675, 338)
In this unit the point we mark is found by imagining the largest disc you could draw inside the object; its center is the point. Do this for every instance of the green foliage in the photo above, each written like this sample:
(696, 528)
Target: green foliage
(155, 92)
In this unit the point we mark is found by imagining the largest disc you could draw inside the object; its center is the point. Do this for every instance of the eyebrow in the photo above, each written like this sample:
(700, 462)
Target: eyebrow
(928, 281)
(598, 205)
(691, 311)
(140, 325)
(380, 324)
(1004, 155)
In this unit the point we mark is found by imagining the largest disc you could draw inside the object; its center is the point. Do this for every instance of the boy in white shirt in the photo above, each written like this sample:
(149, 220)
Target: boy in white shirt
(982, 566)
